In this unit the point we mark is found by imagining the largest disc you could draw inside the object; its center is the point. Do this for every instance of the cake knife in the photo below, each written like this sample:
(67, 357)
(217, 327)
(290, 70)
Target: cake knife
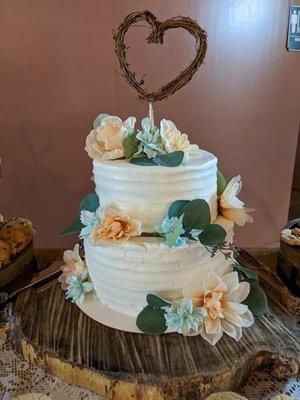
(44, 276)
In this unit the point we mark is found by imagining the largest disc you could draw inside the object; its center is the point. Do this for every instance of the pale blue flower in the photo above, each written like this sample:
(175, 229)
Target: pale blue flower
(183, 318)
(78, 286)
(171, 229)
(195, 234)
(150, 140)
(90, 220)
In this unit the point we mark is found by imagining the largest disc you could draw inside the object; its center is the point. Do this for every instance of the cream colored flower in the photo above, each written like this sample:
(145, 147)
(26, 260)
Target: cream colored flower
(105, 142)
(74, 265)
(231, 207)
(174, 140)
(1, 219)
(291, 236)
(221, 297)
(115, 227)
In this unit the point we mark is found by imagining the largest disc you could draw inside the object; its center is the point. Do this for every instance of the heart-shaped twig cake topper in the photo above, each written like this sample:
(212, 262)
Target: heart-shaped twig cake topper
(157, 36)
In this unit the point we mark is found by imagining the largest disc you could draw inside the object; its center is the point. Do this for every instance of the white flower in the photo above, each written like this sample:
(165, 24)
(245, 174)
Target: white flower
(105, 142)
(231, 207)
(74, 265)
(221, 297)
(174, 140)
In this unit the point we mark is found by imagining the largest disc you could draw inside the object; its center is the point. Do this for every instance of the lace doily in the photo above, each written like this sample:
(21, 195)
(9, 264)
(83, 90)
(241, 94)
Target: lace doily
(18, 377)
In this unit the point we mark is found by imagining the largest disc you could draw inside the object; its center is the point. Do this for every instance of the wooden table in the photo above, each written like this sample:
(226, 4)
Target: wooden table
(56, 335)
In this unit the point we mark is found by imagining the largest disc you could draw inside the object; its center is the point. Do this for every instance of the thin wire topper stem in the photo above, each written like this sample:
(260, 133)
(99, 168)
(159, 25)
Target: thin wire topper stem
(151, 116)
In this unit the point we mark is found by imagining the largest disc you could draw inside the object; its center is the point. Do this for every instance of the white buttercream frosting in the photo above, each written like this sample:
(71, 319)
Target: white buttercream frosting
(146, 193)
(123, 274)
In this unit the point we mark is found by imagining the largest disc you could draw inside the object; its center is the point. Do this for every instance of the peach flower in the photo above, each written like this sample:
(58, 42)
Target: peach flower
(231, 207)
(221, 297)
(105, 142)
(174, 140)
(115, 227)
(74, 265)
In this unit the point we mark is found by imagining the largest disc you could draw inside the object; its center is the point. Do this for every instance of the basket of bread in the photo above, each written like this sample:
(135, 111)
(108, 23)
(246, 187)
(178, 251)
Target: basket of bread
(16, 248)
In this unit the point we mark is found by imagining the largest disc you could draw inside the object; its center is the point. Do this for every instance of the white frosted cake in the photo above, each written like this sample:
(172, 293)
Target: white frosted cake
(143, 265)
(158, 236)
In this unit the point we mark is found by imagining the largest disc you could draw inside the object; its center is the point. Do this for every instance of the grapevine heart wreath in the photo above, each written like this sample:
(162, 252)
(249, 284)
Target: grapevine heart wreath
(157, 36)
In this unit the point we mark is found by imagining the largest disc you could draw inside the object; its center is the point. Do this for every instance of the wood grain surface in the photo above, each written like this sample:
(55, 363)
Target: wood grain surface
(56, 335)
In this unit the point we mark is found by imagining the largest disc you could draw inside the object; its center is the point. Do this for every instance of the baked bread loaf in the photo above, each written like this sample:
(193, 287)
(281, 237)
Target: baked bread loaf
(15, 235)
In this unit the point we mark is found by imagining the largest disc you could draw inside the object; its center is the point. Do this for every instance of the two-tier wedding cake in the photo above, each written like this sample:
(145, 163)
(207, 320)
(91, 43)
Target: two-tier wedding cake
(158, 233)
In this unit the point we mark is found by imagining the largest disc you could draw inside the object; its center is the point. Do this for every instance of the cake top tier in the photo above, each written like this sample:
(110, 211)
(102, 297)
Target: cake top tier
(147, 192)
(150, 145)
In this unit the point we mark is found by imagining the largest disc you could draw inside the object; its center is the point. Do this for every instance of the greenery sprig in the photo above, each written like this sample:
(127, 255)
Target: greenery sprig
(89, 203)
(257, 299)
(163, 160)
(151, 319)
(226, 248)
(196, 223)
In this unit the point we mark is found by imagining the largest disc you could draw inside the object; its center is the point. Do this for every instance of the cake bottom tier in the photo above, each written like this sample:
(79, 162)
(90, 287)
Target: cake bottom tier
(123, 274)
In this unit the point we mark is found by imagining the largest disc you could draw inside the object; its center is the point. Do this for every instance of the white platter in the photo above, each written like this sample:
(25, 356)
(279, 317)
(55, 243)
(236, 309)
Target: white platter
(107, 316)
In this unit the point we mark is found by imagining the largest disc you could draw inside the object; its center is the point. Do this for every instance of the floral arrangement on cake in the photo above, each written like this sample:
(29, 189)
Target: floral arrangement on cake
(111, 139)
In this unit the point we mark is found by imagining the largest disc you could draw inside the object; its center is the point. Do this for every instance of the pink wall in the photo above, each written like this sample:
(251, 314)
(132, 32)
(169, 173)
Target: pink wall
(58, 71)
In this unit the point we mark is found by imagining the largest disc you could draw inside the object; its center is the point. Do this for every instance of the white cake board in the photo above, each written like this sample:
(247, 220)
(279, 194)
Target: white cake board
(99, 312)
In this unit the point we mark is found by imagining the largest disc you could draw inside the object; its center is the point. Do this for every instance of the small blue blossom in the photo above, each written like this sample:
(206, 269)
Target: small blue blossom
(90, 220)
(78, 286)
(183, 318)
(195, 233)
(171, 229)
(150, 140)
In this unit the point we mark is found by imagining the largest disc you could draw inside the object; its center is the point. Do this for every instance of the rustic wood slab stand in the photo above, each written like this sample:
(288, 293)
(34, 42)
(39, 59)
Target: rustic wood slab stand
(54, 334)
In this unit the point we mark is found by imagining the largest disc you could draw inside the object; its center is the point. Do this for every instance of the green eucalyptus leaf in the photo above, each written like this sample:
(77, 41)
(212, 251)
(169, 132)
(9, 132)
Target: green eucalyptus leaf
(246, 272)
(75, 227)
(196, 214)
(165, 160)
(221, 183)
(257, 299)
(157, 302)
(98, 119)
(145, 161)
(151, 320)
(212, 235)
(176, 208)
(130, 145)
(169, 160)
(89, 203)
